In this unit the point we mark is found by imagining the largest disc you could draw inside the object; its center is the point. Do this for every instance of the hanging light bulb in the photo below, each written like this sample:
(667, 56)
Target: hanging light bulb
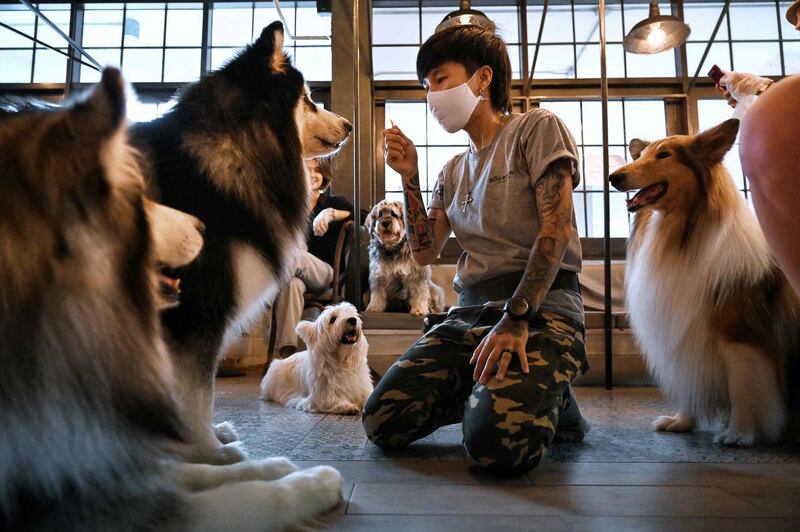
(465, 16)
(656, 33)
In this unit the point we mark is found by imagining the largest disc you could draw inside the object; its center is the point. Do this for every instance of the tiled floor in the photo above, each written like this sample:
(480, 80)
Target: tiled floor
(623, 477)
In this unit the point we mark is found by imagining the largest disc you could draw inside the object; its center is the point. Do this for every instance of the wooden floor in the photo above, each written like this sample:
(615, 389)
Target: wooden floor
(623, 477)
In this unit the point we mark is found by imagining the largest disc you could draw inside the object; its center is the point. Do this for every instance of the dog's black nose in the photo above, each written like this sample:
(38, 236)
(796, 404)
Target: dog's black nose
(352, 321)
(386, 223)
(616, 179)
(348, 126)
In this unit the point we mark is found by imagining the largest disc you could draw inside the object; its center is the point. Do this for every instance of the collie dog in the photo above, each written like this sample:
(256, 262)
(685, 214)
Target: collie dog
(716, 319)
(91, 428)
(396, 282)
(332, 376)
(231, 152)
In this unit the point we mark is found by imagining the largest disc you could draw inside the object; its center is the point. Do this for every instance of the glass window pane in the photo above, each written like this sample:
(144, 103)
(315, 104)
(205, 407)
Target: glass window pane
(758, 20)
(594, 214)
(141, 111)
(718, 55)
(554, 61)
(231, 26)
(395, 25)
(762, 58)
(651, 66)
(394, 196)
(431, 17)
(16, 66)
(310, 23)
(266, 14)
(18, 17)
(702, 17)
(570, 114)
(58, 15)
(557, 24)
(314, 63)
(104, 56)
(506, 19)
(587, 23)
(593, 123)
(620, 219)
(593, 168)
(589, 61)
(102, 27)
(395, 62)
(49, 67)
(515, 56)
(142, 65)
(409, 117)
(791, 57)
(645, 120)
(220, 56)
(144, 27)
(580, 218)
(712, 112)
(184, 26)
(788, 29)
(182, 65)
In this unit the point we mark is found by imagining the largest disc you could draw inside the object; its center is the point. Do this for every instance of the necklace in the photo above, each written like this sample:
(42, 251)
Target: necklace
(468, 198)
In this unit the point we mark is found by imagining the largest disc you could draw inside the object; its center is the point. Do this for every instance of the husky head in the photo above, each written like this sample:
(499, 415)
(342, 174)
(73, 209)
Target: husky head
(336, 330)
(385, 223)
(677, 173)
(72, 206)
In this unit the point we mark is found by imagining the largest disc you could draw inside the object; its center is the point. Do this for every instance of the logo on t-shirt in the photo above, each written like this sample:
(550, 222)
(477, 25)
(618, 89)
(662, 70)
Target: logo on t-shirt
(501, 178)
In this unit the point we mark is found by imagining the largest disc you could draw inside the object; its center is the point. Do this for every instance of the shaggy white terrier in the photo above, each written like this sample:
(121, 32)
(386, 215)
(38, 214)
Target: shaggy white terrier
(332, 376)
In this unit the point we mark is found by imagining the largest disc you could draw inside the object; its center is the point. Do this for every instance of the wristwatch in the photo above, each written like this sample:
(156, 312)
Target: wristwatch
(518, 308)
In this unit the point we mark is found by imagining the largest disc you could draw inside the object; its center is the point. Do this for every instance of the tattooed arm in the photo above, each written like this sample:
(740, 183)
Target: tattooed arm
(554, 201)
(426, 232)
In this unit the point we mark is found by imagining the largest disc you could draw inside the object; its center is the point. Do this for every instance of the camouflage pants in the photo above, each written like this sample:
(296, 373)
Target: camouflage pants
(507, 425)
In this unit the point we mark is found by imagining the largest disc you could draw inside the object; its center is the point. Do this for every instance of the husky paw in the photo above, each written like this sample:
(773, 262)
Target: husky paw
(227, 454)
(674, 423)
(275, 467)
(327, 485)
(225, 432)
(733, 437)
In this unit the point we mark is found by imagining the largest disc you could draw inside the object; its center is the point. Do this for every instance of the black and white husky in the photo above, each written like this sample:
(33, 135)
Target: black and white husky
(231, 153)
(89, 424)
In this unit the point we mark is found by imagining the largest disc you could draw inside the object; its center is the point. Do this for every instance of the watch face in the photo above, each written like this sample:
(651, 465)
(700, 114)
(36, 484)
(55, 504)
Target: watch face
(517, 306)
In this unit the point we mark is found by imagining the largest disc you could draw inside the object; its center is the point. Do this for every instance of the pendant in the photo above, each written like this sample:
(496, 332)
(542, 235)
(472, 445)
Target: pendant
(466, 202)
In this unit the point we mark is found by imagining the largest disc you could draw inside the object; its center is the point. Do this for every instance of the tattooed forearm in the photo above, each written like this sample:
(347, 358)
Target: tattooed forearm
(554, 201)
(419, 228)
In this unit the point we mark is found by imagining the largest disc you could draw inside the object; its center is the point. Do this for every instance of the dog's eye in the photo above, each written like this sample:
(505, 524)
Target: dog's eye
(332, 320)
(662, 155)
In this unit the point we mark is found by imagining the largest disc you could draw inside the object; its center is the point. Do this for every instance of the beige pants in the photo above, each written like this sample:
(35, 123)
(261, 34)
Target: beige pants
(311, 275)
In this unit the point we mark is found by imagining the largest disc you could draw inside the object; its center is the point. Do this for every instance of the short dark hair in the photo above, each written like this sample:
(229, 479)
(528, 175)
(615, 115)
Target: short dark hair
(472, 47)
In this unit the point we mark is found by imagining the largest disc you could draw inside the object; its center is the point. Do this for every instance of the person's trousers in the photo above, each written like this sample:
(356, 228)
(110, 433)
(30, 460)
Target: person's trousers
(508, 424)
(311, 275)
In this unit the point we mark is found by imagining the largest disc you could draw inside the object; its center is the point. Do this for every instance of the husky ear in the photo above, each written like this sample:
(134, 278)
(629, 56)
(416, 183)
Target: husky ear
(271, 43)
(104, 110)
(307, 330)
(714, 143)
(636, 147)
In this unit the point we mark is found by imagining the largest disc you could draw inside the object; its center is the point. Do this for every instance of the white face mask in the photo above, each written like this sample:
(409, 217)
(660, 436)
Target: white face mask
(453, 107)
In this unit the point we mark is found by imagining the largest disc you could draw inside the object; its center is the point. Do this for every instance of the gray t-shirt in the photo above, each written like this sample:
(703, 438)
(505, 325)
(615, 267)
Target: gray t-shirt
(498, 228)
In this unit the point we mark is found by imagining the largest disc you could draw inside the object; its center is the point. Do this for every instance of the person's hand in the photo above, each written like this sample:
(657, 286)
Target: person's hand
(322, 221)
(506, 340)
(737, 85)
(399, 152)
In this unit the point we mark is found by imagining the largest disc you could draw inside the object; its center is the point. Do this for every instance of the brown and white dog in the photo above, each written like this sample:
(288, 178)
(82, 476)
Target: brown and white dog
(715, 317)
(396, 282)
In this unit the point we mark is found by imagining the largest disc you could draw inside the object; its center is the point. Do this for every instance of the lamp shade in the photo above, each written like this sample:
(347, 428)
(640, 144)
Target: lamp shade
(656, 33)
(465, 16)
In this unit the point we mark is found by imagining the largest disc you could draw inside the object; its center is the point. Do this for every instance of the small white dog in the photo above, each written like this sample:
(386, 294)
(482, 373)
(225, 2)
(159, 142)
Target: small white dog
(332, 376)
(396, 282)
